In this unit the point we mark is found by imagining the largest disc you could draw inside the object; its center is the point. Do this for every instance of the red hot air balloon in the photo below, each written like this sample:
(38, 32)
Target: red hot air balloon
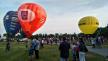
(31, 17)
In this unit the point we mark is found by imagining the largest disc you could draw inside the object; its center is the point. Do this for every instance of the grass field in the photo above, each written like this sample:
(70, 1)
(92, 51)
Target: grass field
(48, 53)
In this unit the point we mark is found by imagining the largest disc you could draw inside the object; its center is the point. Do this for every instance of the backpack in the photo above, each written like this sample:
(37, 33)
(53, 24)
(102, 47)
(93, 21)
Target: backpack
(85, 49)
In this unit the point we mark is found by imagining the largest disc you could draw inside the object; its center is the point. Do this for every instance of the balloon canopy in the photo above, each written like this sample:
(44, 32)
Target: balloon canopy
(11, 23)
(88, 24)
(31, 17)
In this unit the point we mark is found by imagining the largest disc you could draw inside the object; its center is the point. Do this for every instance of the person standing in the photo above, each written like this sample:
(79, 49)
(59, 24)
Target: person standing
(32, 49)
(42, 43)
(36, 48)
(82, 50)
(64, 50)
(75, 52)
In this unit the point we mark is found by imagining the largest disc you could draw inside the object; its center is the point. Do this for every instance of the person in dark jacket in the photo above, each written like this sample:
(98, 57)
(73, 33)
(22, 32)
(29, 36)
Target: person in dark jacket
(64, 50)
(82, 50)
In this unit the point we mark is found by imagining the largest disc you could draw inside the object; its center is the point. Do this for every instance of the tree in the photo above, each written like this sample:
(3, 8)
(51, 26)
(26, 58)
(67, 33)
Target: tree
(102, 31)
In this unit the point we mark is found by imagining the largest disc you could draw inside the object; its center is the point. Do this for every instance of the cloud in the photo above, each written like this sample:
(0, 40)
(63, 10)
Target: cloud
(63, 15)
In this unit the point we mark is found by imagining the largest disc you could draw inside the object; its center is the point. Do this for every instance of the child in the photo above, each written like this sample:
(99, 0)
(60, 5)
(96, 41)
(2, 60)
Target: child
(75, 52)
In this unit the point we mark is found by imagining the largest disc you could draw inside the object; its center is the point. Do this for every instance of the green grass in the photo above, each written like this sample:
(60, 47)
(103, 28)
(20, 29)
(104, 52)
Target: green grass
(48, 53)
(106, 46)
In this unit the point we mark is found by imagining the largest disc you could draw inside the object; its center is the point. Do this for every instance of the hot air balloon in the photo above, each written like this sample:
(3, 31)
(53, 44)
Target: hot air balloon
(88, 24)
(31, 17)
(11, 23)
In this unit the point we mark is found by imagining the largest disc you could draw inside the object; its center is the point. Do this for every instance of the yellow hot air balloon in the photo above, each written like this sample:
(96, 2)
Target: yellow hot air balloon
(88, 24)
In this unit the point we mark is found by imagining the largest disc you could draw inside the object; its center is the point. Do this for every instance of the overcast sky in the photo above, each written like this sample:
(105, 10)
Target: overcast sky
(62, 15)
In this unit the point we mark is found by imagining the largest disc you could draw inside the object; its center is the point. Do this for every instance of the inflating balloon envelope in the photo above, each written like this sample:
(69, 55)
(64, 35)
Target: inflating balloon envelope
(31, 17)
(88, 24)
(11, 23)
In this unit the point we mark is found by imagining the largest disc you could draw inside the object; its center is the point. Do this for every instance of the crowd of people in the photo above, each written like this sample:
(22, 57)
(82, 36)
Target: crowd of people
(65, 43)
(77, 47)
(97, 42)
